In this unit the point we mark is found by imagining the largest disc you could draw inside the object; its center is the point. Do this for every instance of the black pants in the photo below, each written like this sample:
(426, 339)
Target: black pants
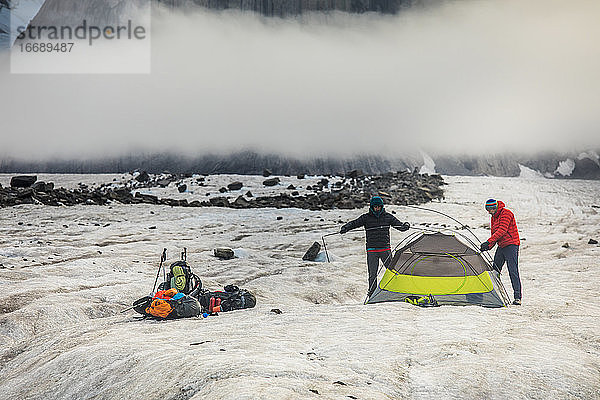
(373, 258)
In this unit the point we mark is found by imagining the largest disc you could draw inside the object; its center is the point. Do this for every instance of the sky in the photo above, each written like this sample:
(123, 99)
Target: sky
(461, 77)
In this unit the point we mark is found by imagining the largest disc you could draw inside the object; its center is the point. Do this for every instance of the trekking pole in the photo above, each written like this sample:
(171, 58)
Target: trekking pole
(164, 270)
(163, 258)
(325, 246)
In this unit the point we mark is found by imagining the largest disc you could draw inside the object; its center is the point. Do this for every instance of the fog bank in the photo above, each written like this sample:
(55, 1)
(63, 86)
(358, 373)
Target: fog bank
(461, 77)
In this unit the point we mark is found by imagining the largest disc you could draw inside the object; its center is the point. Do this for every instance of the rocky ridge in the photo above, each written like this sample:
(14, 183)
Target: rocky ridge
(348, 192)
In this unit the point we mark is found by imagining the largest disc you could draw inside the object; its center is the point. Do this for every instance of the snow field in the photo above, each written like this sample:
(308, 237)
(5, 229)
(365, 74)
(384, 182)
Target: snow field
(62, 336)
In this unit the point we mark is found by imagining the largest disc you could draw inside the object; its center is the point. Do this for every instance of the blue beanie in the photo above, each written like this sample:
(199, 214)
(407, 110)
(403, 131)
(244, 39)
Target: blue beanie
(491, 203)
(376, 201)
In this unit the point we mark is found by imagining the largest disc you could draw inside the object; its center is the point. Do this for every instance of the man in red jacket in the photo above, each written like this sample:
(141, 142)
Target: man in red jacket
(506, 235)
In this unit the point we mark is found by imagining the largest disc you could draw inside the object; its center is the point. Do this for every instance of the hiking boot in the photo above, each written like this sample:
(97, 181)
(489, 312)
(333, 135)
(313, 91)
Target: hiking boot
(517, 302)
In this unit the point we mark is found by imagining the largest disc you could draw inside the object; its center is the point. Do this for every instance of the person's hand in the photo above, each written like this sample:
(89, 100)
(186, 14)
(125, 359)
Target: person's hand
(485, 246)
(343, 230)
(404, 227)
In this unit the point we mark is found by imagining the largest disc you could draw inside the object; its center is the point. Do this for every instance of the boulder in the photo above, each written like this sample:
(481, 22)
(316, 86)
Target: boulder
(241, 202)
(300, 176)
(39, 186)
(592, 241)
(291, 187)
(22, 181)
(235, 186)
(355, 173)
(146, 198)
(223, 190)
(182, 188)
(271, 182)
(312, 252)
(24, 194)
(266, 173)
(163, 182)
(143, 177)
(219, 202)
(224, 253)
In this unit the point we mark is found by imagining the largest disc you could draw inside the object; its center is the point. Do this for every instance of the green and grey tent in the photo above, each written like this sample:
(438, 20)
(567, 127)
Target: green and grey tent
(443, 266)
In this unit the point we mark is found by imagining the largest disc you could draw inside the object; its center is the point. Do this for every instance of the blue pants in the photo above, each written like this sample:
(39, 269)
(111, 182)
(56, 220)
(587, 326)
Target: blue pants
(373, 258)
(510, 255)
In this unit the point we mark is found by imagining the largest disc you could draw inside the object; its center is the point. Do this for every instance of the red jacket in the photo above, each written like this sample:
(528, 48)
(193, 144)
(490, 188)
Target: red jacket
(504, 228)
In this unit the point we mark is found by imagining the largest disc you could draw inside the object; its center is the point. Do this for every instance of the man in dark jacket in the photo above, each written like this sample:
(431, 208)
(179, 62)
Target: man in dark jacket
(506, 234)
(377, 224)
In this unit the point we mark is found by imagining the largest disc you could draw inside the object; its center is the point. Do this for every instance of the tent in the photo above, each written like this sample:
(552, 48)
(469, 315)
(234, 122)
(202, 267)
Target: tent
(443, 266)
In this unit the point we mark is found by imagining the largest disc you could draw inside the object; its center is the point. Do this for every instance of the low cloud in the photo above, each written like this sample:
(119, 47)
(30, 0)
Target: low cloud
(460, 77)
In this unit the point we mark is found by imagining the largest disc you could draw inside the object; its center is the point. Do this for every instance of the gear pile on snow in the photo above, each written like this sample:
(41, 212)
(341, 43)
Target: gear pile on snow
(181, 295)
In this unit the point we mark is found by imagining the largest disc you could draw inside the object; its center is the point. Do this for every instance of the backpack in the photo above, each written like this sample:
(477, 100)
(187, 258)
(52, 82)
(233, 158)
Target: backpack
(168, 304)
(233, 298)
(181, 277)
(186, 306)
(160, 305)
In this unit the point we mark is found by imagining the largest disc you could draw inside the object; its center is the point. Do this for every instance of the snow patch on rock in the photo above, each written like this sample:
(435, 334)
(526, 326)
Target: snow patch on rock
(528, 173)
(565, 168)
(428, 164)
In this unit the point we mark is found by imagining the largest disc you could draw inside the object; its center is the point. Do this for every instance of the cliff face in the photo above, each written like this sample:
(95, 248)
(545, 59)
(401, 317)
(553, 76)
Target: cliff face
(294, 7)
(248, 162)
(103, 11)
(244, 162)
(99, 12)
(582, 166)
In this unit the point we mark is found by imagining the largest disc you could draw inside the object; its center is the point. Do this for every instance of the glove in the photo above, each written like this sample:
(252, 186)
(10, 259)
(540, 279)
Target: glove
(343, 230)
(404, 227)
(485, 246)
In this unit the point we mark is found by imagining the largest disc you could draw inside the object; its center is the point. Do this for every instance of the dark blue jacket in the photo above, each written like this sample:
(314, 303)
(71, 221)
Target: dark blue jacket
(377, 228)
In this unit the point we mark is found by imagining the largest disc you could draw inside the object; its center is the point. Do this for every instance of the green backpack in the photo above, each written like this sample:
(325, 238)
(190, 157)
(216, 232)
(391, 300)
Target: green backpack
(182, 278)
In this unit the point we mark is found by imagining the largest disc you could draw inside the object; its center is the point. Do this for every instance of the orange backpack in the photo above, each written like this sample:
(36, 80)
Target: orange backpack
(161, 304)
